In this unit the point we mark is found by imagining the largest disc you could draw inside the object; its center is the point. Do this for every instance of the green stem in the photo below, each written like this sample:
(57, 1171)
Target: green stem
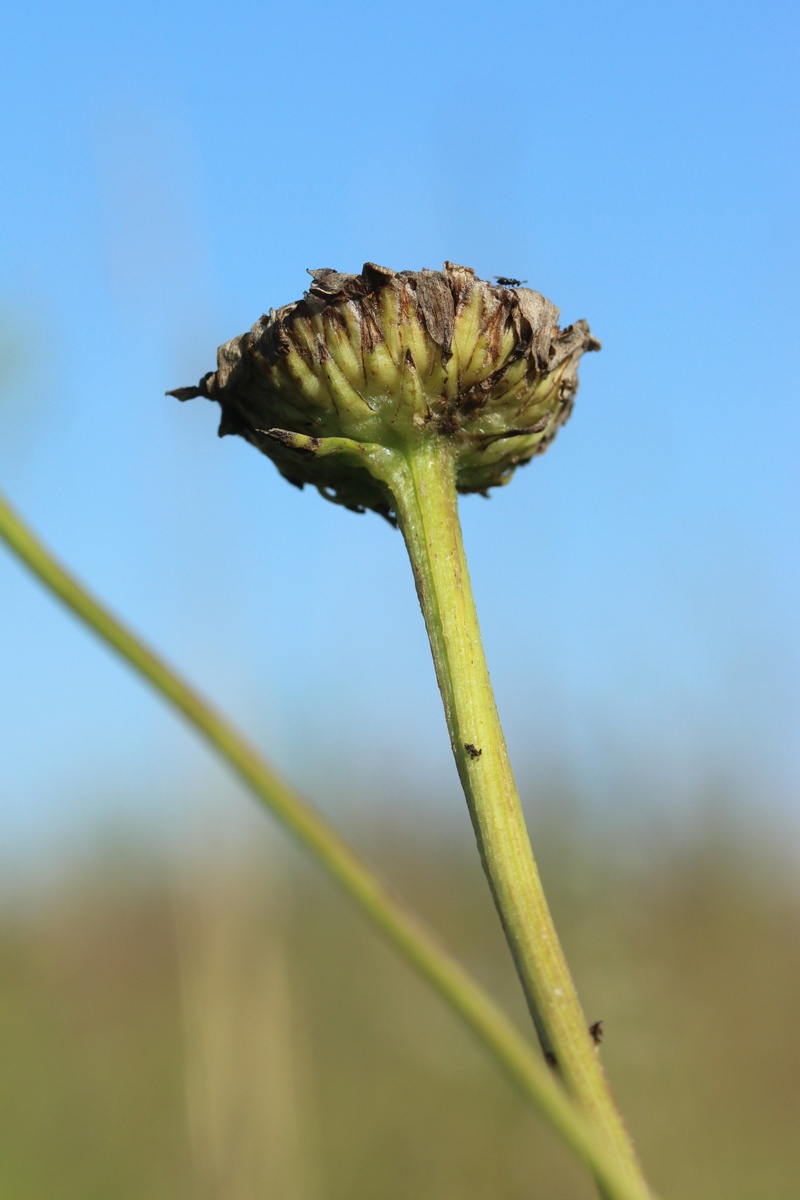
(427, 509)
(476, 1009)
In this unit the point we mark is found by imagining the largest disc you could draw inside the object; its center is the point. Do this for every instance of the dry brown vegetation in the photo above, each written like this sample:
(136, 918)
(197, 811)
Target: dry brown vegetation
(237, 1032)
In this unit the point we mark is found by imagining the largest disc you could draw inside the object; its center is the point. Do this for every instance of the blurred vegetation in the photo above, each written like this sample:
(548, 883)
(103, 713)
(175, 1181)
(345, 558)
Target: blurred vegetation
(231, 1030)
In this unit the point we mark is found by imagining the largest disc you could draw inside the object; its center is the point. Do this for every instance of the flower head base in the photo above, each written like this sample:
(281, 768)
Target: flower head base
(386, 359)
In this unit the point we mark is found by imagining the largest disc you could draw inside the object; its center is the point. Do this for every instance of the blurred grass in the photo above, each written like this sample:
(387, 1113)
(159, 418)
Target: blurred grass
(228, 1029)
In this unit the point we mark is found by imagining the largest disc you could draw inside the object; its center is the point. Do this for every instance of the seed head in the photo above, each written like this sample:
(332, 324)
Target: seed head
(390, 359)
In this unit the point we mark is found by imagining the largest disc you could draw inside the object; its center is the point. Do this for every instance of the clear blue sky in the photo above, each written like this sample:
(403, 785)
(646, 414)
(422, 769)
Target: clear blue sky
(170, 170)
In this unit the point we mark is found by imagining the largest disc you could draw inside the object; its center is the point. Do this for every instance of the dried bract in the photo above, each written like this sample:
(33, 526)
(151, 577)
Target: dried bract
(391, 358)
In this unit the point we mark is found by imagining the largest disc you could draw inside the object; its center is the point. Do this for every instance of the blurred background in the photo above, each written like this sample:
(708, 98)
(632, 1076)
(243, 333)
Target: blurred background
(187, 1009)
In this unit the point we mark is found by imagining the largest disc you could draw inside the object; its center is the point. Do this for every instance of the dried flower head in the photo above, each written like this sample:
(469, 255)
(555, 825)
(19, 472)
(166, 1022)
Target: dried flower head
(390, 359)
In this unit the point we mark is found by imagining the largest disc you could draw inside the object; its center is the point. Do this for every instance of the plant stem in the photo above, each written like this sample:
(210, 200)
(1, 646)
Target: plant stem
(427, 511)
(408, 935)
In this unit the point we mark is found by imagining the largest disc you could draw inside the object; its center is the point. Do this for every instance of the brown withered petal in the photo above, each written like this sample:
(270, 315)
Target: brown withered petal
(394, 358)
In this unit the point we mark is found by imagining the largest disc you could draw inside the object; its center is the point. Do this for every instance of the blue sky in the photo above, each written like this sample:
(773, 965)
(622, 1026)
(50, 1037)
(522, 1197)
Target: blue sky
(169, 173)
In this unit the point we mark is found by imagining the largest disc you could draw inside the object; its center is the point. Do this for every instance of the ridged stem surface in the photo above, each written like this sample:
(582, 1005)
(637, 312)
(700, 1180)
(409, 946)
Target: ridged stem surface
(427, 510)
